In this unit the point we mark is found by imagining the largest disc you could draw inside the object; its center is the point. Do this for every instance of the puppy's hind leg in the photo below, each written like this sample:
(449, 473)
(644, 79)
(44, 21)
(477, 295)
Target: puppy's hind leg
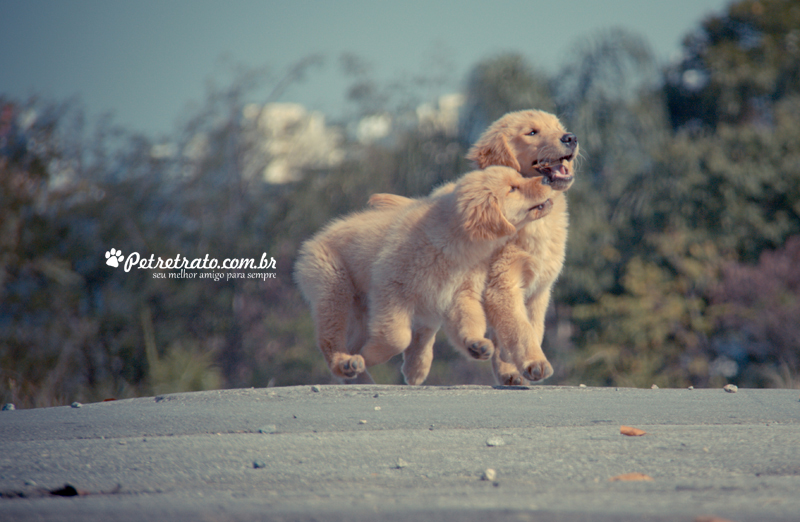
(331, 315)
(357, 320)
(390, 334)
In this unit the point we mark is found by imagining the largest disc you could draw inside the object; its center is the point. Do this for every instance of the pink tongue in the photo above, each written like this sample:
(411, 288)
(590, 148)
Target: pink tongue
(560, 169)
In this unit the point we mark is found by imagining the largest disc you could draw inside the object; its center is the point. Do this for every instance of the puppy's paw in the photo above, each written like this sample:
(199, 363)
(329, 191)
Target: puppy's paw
(414, 378)
(538, 370)
(481, 349)
(511, 379)
(349, 367)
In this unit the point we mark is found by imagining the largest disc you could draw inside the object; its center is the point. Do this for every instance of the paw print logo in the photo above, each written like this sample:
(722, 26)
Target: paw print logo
(114, 257)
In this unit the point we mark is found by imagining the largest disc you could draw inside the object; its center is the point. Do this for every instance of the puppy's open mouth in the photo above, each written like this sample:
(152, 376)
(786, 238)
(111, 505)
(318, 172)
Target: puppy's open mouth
(555, 172)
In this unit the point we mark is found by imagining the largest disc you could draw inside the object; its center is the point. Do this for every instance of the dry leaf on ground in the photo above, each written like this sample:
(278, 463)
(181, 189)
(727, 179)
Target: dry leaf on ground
(631, 432)
(630, 477)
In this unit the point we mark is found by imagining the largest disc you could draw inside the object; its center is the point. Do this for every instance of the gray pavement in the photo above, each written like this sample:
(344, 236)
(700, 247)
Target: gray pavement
(401, 453)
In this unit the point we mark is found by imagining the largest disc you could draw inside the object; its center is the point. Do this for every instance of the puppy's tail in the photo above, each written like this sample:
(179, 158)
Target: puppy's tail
(388, 201)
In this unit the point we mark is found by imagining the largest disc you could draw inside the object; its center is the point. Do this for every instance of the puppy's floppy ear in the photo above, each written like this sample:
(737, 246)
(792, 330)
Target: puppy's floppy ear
(492, 149)
(480, 212)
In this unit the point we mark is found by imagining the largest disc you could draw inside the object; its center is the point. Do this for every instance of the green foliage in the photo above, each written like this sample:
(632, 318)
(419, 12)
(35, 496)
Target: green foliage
(655, 331)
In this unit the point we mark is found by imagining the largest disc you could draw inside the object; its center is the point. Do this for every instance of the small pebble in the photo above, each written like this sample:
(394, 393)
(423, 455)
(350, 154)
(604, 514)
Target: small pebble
(258, 464)
(489, 474)
(377, 408)
(401, 464)
(269, 428)
(495, 441)
(9, 407)
(730, 388)
(362, 421)
(315, 389)
(691, 387)
(581, 386)
(654, 387)
(76, 404)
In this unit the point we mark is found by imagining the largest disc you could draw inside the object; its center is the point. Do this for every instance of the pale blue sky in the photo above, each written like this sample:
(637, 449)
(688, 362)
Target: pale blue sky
(145, 60)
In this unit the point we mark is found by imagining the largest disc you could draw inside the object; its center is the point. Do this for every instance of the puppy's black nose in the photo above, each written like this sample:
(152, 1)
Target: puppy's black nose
(570, 140)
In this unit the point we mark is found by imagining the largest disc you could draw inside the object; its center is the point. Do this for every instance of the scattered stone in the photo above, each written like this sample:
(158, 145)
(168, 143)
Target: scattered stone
(730, 388)
(691, 387)
(401, 464)
(76, 404)
(654, 387)
(9, 407)
(375, 396)
(67, 491)
(581, 385)
(258, 464)
(377, 408)
(269, 428)
(489, 474)
(316, 389)
(362, 421)
(495, 441)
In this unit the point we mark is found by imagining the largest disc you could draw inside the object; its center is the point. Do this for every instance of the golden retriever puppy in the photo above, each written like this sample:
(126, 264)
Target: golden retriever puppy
(439, 245)
(522, 274)
(432, 269)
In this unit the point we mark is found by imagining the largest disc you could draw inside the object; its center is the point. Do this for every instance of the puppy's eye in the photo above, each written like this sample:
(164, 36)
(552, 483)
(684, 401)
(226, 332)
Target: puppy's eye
(533, 132)
(513, 189)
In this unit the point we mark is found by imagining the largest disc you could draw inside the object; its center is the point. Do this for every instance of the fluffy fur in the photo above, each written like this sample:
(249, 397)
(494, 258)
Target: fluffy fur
(522, 273)
(415, 267)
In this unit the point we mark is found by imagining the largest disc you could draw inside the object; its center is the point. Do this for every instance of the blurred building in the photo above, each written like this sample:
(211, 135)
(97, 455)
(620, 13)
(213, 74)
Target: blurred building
(373, 128)
(284, 139)
(442, 119)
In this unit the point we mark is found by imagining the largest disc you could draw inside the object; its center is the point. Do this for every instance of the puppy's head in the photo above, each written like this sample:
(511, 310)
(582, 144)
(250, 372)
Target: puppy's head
(534, 143)
(495, 202)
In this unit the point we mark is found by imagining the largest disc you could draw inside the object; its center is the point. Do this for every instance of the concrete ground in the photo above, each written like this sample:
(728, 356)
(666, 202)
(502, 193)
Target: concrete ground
(361, 453)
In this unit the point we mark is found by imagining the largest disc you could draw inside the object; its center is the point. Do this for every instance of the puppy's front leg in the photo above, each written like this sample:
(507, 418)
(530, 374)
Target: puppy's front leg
(534, 365)
(508, 315)
(418, 357)
(465, 321)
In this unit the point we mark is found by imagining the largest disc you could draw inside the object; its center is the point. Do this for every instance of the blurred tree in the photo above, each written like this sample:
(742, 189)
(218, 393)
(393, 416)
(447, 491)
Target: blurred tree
(756, 308)
(737, 65)
(499, 85)
(607, 94)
